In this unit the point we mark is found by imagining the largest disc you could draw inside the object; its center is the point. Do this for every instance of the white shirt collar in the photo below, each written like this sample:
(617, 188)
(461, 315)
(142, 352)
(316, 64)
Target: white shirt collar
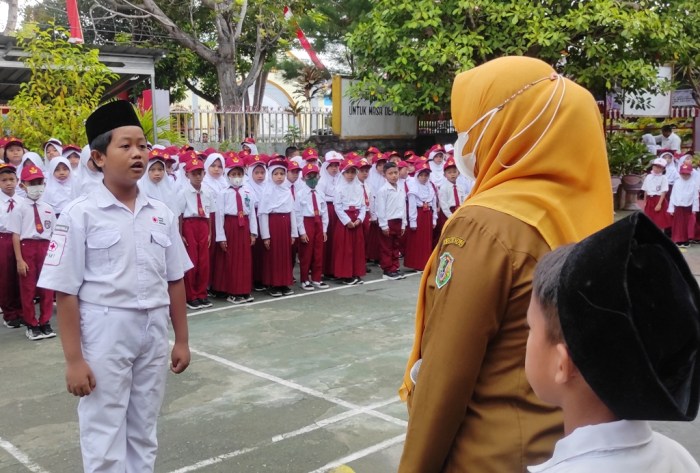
(104, 198)
(609, 436)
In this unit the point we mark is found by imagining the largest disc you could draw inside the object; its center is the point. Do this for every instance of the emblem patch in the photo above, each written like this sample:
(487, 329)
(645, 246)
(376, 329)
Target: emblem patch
(444, 271)
(55, 251)
(453, 241)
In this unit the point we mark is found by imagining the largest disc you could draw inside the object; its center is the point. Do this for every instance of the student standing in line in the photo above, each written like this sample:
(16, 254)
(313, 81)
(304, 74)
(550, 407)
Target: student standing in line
(391, 213)
(312, 222)
(196, 205)
(10, 301)
(349, 244)
(328, 181)
(117, 264)
(422, 218)
(236, 233)
(32, 225)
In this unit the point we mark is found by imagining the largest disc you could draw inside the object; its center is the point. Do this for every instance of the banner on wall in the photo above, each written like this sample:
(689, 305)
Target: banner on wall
(365, 119)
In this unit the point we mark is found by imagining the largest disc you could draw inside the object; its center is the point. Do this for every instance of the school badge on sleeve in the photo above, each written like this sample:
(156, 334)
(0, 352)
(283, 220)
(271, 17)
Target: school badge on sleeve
(444, 271)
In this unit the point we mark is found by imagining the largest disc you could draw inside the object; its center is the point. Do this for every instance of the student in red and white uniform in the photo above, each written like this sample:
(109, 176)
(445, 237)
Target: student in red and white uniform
(236, 233)
(310, 156)
(249, 145)
(452, 193)
(328, 180)
(294, 184)
(349, 243)
(10, 302)
(390, 204)
(278, 230)
(312, 224)
(32, 224)
(369, 224)
(683, 206)
(655, 186)
(13, 152)
(436, 156)
(53, 148)
(196, 205)
(72, 154)
(422, 218)
(59, 184)
(256, 176)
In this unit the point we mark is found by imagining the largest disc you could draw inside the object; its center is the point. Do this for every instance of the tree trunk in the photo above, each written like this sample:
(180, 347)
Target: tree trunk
(12, 10)
(233, 127)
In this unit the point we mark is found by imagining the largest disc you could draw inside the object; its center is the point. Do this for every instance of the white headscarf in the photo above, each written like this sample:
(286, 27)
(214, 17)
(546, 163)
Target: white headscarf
(215, 185)
(56, 143)
(276, 198)
(163, 190)
(250, 184)
(326, 182)
(86, 179)
(57, 193)
(34, 159)
(375, 179)
(437, 175)
(350, 193)
(253, 148)
(423, 192)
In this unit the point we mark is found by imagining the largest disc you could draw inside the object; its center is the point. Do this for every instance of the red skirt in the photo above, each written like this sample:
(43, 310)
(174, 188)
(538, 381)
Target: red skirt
(419, 242)
(437, 231)
(349, 249)
(683, 228)
(330, 233)
(277, 261)
(237, 259)
(258, 257)
(215, 254)
(661, 218)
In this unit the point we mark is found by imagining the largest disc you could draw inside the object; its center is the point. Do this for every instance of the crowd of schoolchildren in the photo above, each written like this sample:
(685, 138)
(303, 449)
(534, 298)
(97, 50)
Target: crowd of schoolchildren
(671, 189)
(245, 218)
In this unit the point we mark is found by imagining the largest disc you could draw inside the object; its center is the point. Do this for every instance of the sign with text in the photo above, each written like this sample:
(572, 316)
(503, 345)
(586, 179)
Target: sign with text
(366, 119)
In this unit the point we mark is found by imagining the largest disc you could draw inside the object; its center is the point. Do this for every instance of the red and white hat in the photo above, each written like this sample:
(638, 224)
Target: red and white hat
(423, 166)
(13, 140)
(309, 154)
(685, 169)
(4, 167)
(235, 161)
(309, 168)
(348, 164)
(659, 162)
(194, 164)
(31, 172)
(451, 163)
(293, 165)
(248, 141)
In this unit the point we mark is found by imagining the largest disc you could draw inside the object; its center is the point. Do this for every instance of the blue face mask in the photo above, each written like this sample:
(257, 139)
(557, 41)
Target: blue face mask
(312, 182)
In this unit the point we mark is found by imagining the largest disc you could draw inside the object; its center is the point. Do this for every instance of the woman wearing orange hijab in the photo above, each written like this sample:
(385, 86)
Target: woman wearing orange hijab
(535, 144)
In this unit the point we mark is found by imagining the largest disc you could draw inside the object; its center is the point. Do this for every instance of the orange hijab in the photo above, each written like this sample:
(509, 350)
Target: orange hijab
(561, 186)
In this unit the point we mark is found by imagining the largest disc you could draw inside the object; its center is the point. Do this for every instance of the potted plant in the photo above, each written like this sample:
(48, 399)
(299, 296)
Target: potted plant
(627, 160)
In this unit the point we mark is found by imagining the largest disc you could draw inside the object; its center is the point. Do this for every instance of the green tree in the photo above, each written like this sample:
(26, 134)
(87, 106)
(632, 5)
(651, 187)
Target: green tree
(408, 53)
(67, 84)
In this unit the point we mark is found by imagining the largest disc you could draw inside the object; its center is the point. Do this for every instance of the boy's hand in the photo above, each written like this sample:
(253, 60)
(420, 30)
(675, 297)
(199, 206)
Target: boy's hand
(293, 240)
(223, 245)
(304, 238)
(266, 242)
(350, 225)
(385, 232)
(22, 268)
(79, 378)
(325, 237)
(180, 357)
(403, 231)
(657, 208)
(252, 240)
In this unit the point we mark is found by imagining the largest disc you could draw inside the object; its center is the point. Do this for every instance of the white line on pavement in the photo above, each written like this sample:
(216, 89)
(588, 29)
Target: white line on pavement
(21, 457)
(294, 433)
(361, 453)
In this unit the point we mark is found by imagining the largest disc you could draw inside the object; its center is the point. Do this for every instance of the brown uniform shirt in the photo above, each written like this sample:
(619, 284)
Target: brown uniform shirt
(472, 409)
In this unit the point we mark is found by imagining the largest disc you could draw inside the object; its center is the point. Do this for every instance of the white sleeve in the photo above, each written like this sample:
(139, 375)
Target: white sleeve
(338, 204)
(324, 215)
(434, 205)
(299, 221)
(292, 220)
(363, 212)
(380, 208)
(264, 226)
(64, 265)
(177, 261)
(412, 211)
(444, 201)
(220, 216)
(253, 219)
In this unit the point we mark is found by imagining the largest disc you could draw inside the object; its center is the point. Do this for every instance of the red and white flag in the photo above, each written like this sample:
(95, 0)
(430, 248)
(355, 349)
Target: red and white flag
(76, 31)
(302, 39)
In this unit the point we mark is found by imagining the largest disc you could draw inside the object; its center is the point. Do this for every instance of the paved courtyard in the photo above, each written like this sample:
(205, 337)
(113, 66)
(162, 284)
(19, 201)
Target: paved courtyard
(300, 384)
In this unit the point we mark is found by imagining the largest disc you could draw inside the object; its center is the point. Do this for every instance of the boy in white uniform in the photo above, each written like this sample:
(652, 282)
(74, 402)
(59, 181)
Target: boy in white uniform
(614, 341)
(117, 264)
(390, 205)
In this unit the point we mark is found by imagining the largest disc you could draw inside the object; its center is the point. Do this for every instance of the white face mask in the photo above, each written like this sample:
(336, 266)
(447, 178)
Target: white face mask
(466, 163)
(236, 181)
(35, 192)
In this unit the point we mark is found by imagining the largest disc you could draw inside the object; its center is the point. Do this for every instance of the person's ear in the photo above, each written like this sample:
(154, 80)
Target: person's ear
(97, 158)
(565, 368)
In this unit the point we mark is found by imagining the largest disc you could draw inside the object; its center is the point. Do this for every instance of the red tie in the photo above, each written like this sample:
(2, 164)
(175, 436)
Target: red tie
(293, 195)
(317, 215)
(366, 198)
(37, 220)
(200, 207)
(456, 194)
(239, 206)
(11, 206)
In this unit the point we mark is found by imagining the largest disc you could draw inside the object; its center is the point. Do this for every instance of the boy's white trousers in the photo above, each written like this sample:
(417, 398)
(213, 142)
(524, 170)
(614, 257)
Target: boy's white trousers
(127, 351)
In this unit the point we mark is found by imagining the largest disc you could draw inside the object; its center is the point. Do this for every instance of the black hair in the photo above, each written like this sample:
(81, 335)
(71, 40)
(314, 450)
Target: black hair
(290, 150)
(668, 128)
(100, 143)
(545, 288)
(389, 165)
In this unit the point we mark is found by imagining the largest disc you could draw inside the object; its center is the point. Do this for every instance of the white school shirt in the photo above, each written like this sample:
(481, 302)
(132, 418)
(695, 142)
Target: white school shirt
(672, 174)
(4, 210)
(304, 207)
(187, 200)
(371, 197)
(109, 256)
(446, 196)
(672, 142)
(618, 447)
(414, 203)
(21, 220)
(655, 184)
(685, 194)
(226, 205)
(391, 204)
(341, 207)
